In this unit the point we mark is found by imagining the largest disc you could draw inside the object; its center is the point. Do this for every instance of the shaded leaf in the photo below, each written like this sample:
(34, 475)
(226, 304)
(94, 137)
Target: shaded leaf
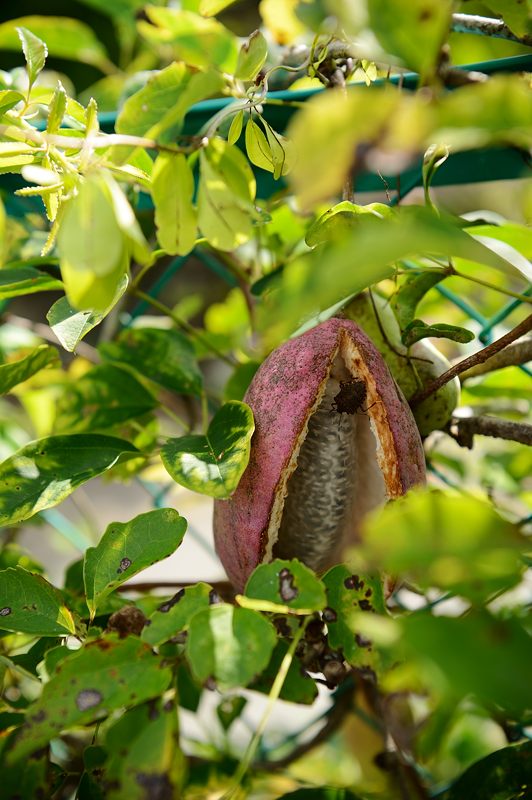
(417, 330)
(213, 464)
(35, 53)
(44, 472)
(172, 192)
(457, 543)
(411, 292)
(164, 356)
(144, 757)
(64, 37)
(236, 386)
(15, 372)
(340, 220)
(104, 396)
(347, 596)
(503, 775)
(71, 326)
(126, 548)
(17, 281)
(229, 709)
(284, 586)
(229, 645)
(297, 687)
(102, 676)
(211, 7)
(174, 615)
(29, 604)
(321, 793)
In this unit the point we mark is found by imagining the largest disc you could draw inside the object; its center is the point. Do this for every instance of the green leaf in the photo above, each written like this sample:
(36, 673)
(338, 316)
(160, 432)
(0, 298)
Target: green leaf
(237, 385)
(174, 615)
(367, 255)
(271, 152)
(347, 596)
(414, 32)
(341, 219)
(251, 57)
(17, 281)
(298, 687)
(102, 676)
(235, 128)
(158, 109)
(284, 586)
(57, 108)
(434, 158)
(71, 326)
(9, 99)
(516, 14)
(197, 41)
(43, 473)
(64, 37)
(126, 548)
(417, 329)
(429, 545)
(29, 604)
(226, 194)
(15, 372)
(229, 645)
(144, 757)
(410, 294)
(35, 53)
(211, 7)
(213, 464)
(322, 793)
(32, 781)
(229, 709)
(474, 654)
(104, 396)
(164, 356)
(172, 192)
(503, 775)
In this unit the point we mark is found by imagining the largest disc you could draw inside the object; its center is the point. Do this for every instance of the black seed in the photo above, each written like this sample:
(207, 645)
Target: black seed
(351, 397)
(88, 698)
(329, 614)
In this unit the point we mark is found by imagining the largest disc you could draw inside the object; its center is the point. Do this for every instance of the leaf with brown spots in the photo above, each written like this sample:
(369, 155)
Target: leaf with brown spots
(29, 604)
(100, 677)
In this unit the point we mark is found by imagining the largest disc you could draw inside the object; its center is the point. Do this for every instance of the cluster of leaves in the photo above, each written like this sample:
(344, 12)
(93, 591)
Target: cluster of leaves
(94, 684)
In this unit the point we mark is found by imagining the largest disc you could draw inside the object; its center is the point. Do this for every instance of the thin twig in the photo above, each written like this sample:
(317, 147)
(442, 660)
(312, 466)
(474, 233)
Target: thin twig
(516, 353)
(463, 429)
(477, 358)
(486, 26)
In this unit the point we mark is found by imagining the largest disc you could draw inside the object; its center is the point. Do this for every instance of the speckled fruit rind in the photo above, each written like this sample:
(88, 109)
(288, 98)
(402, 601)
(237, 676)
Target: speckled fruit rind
(284, 393)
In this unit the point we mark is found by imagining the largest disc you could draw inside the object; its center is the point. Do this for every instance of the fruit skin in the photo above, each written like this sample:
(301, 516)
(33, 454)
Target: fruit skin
(434, 412)
(283, 394)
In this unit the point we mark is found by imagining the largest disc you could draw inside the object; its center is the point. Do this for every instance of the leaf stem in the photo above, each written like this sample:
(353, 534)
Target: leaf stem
(522, 297)
(184, 325)
(272, 699)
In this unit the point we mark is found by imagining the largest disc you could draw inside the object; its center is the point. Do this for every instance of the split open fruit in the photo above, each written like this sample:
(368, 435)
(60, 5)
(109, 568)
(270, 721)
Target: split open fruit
(334, 438)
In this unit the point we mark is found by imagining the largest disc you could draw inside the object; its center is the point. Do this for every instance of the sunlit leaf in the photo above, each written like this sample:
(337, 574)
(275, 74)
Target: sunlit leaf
(127, 548)
(172, 191)
(199, 41)
(347, 595)
(173, 616)
(102, 676)
(9, 99)
(70, 325)
(43, 473)
(35, 53)
(226, 194)
(251, 57)
(211, 7)
(235, 129)
(213, 464)
(229, 645)
(414, 32)
(164, 356)
(29, 604)
(15, 372)
(340, 220)
(284, 586)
